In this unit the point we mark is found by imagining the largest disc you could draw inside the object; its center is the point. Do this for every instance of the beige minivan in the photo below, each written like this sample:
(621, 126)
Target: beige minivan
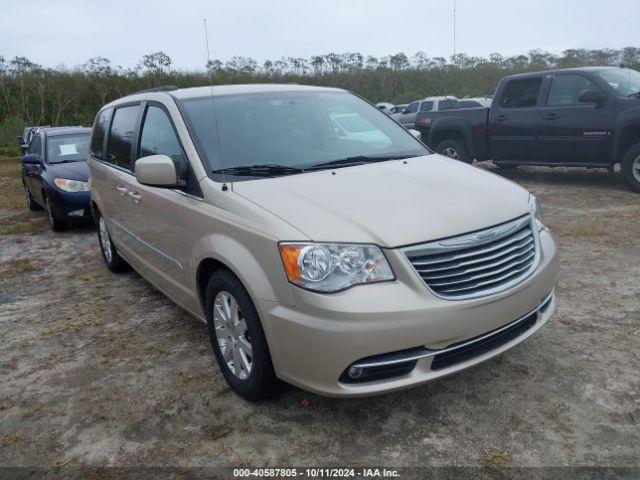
(321, 242)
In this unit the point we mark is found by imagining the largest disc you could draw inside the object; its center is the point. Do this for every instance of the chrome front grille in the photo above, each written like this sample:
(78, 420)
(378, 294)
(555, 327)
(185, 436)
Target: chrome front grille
(480, 263)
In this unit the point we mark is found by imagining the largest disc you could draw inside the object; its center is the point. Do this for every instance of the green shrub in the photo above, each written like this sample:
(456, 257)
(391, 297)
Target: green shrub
(10, 128)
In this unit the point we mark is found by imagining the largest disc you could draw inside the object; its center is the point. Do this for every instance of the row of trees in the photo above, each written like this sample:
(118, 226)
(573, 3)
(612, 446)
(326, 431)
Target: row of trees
(31, 94)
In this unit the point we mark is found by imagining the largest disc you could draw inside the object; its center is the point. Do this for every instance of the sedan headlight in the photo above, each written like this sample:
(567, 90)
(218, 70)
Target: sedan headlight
(536, 211)
(331, 267)
(72, 186)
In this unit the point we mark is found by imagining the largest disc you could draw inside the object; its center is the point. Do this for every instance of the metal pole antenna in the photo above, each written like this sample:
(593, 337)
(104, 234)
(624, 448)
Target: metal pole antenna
(454, 28)
(213, 106)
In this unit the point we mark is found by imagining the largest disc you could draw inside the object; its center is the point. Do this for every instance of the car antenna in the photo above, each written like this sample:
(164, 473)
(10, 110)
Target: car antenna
(213, 106)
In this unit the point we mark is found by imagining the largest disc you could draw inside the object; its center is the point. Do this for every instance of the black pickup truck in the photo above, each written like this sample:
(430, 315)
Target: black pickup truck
(580, 117)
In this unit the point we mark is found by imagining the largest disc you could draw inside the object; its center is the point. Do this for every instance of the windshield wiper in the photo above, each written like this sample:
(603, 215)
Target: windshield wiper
(357, 160)
(266, 169)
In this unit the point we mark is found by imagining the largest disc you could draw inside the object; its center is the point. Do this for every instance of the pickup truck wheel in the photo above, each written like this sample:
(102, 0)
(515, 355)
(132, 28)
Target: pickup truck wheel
(237, 338)
(454, 149)
(110, 255)
(631, 167)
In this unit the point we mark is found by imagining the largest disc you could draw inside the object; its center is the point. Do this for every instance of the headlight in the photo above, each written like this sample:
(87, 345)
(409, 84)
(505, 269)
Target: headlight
(71, 185)
(330, 267)
(536, 211)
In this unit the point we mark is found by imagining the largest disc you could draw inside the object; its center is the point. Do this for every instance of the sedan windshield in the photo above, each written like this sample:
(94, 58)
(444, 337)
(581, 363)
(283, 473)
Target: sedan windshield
(623, 80)
(295, 130)
(67, 148)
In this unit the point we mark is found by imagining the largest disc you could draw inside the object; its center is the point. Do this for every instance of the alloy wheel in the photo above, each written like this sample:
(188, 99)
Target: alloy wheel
(450, 152)
(105, 241)
(232, 334)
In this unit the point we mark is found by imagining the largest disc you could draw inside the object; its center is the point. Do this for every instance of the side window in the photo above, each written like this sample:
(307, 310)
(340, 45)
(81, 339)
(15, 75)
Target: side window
(121, 136)
(565, 90)
(35, 147)
(426, 106)
(159, 138)
(455, 104)
(412, 108)
(521, 93)
(97, 134)
(444, 105)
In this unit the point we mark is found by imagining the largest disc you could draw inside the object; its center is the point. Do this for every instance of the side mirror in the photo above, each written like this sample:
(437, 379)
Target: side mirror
(415, 133)
(592, 96)
(156, 171)
(24, 147)
(31, 159)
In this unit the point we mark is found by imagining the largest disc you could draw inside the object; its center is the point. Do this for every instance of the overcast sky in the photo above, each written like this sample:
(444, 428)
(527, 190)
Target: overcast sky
(53, 32)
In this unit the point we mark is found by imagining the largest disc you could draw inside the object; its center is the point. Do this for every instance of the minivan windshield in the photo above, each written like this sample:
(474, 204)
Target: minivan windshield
(67, 148)
(295, 130)
(623, 80)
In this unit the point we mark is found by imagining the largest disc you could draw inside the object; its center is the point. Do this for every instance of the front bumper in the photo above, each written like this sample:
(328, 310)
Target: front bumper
(315, 342)
(70, 206)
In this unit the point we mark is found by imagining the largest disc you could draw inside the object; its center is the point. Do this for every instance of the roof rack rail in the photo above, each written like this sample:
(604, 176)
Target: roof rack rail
(161, 88)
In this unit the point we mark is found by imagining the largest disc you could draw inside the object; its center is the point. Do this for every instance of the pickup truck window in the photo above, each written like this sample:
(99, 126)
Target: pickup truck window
(448, 105)
(412, 108)
(426, 106)
(565, 90)
(623, 80)
(521, 93)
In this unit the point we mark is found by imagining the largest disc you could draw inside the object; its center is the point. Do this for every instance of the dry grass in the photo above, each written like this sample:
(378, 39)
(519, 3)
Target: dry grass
(11, 197)
(496, 460)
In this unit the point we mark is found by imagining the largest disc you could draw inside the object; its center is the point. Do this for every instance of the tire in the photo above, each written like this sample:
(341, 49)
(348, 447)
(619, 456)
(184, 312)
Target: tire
(110, 255)
(57, 225)
(631, 167)
(454, 149)
(505, 166)
(238, 337)
(31, 202)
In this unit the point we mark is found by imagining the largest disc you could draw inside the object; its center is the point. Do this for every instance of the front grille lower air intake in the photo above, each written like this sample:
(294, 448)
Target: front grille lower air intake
(480, 263)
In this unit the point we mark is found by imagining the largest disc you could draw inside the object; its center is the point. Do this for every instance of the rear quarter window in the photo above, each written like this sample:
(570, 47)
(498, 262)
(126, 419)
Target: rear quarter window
(97, 134)
(120, 141)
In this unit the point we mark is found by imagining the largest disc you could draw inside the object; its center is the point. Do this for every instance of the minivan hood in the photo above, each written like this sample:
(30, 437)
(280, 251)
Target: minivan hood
(390, 204)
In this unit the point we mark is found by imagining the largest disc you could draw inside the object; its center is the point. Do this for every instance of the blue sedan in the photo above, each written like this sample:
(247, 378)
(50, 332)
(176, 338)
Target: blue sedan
(55, 174)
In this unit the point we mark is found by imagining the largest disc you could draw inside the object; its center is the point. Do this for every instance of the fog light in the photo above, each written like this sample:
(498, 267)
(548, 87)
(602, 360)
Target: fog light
(355, 372)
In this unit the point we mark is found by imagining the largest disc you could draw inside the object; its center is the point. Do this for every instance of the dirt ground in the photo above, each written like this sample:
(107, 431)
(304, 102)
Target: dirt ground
(102, 369)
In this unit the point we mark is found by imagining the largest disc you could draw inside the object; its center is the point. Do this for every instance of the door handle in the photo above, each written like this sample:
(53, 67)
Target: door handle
(550, 116)
(122, 190)
(501, 117)
(136, 197)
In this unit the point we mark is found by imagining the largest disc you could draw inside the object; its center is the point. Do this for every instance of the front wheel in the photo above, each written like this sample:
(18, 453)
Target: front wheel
(631, 167)
(454, 149)
(57, 225)
(31, 202)
(237, 338)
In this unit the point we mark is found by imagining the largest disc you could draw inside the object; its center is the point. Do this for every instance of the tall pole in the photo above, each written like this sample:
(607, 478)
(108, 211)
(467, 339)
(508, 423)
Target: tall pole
(454, 28)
